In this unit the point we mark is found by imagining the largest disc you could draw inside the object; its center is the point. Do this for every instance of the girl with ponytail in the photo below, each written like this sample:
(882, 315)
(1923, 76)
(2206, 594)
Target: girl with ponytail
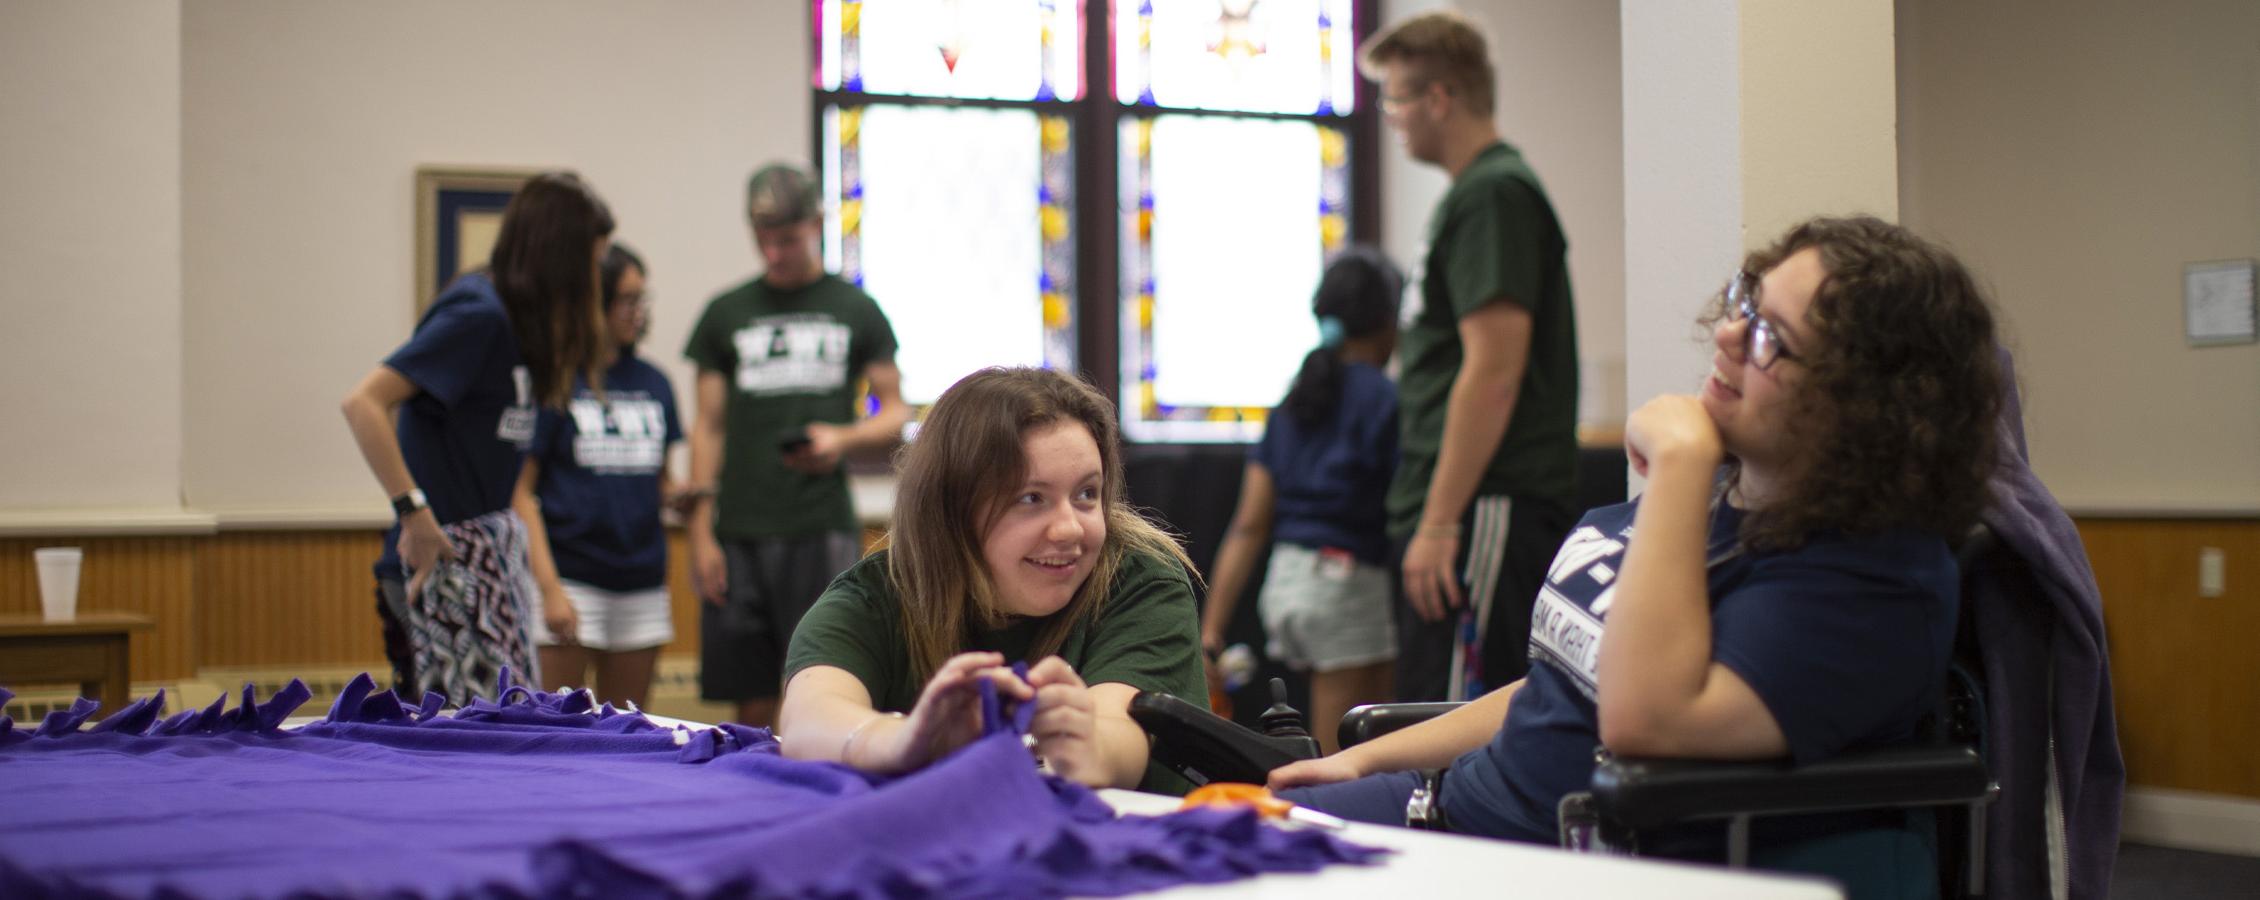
(1313, 491)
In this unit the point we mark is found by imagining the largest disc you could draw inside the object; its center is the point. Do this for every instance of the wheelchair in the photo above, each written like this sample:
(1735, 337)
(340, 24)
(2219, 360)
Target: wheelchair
(1943, 774)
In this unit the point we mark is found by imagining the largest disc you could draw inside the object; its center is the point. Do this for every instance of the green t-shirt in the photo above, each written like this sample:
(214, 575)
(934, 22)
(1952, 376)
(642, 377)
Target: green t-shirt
(1147, 636)
(791, 358)
(1492, 237)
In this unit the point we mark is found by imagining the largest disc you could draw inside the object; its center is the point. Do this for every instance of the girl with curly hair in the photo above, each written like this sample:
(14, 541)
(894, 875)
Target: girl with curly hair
(1792, 590)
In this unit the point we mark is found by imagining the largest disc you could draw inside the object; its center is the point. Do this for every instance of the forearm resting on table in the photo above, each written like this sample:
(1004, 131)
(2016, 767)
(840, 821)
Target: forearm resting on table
(1123, 749)
(1123, 746)
(823, 707)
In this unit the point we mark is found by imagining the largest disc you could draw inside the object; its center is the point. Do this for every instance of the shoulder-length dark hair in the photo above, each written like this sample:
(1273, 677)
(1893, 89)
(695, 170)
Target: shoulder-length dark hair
(955, 479)
(1359, 291)
(1894, 415)
(618, 259)
(545, 267)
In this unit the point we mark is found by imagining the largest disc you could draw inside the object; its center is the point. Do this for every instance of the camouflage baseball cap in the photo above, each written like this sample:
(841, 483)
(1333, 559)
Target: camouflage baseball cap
(780, 195)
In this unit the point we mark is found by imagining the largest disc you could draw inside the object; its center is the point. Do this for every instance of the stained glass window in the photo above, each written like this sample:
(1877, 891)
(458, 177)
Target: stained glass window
(951, 150)
(988, 49)
(957, 220)
(1226, 225)
(1275, 56)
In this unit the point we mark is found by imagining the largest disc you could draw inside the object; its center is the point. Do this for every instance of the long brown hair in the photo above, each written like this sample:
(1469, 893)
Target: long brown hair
(1894, 416)
(545, 267)
(955, 478)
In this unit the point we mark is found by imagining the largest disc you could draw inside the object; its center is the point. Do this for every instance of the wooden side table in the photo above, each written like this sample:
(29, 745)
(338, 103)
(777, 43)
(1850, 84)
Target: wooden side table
(90, 651)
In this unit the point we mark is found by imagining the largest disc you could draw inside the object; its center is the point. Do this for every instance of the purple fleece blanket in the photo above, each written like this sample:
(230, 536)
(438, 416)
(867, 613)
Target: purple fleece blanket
(544, 795)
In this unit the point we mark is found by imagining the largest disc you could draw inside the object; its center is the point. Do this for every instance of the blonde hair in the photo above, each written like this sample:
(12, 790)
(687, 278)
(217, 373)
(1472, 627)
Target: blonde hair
(967, 460)
(1437, 47)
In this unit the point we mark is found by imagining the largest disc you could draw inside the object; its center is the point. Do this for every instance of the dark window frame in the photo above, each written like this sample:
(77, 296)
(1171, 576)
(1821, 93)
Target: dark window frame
(1096, 121)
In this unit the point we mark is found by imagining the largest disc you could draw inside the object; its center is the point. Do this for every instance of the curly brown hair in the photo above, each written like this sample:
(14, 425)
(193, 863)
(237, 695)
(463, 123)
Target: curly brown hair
(1895, 414)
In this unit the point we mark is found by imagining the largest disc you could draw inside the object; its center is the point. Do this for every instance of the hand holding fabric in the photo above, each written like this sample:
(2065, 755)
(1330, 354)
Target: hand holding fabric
(947, 716)
(1066, 722)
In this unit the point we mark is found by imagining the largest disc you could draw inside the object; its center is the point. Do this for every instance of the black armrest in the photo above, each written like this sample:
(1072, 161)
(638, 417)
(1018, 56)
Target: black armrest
(1647, 793)
(1205, 747)
(1364, 723)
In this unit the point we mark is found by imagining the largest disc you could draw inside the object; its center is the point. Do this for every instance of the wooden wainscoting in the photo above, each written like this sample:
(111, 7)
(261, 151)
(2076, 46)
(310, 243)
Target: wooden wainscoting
(257, 600)
(2185, 669)
(154, 576)
(686, 600)
(289, 598)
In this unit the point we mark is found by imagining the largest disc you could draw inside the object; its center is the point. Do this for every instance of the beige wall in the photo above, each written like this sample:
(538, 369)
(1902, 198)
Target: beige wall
(305, 123)
(2077, 158)
(1559, 101)
(1741, 118)
(90, 241)
(208, 235)
(1815, 145)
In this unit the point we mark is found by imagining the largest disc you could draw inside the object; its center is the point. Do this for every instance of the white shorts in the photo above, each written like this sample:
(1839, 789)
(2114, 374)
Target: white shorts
(614, 621)
(1326, 610)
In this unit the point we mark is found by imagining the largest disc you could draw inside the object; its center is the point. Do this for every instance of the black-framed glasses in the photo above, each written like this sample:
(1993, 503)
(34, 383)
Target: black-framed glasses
(1759, 342)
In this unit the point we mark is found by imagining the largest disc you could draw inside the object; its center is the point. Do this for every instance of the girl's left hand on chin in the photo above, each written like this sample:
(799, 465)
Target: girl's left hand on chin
(1065, 725)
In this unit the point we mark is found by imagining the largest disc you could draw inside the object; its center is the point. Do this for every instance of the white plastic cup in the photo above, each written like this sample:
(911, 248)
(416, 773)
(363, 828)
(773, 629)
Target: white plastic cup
(58, 581)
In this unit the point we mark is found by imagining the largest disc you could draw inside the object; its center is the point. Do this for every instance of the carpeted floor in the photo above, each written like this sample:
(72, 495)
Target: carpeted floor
(2145, 872)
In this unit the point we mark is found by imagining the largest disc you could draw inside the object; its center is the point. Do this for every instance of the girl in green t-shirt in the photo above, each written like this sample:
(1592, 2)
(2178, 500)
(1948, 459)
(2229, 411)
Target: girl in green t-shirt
(1011, 533)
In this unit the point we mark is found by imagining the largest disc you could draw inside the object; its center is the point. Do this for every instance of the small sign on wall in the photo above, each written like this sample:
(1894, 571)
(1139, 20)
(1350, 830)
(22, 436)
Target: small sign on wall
(2217, 305)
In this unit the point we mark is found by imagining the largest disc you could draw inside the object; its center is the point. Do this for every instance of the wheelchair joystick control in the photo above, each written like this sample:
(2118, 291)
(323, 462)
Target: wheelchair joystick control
(1285, 723)
(1205, 748)
(1282, 720)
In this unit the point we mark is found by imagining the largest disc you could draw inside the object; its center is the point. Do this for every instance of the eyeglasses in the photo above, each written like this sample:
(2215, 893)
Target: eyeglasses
(1759, 343)
(1393, 103)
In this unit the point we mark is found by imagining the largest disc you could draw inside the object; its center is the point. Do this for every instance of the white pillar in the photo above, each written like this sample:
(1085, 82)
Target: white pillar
(1741, 117)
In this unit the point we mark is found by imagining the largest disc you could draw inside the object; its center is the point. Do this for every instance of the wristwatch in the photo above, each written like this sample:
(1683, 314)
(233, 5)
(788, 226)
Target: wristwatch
(409, 502)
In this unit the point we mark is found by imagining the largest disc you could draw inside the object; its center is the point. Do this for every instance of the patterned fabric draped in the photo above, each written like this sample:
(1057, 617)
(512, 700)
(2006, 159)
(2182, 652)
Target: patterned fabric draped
(473, 618)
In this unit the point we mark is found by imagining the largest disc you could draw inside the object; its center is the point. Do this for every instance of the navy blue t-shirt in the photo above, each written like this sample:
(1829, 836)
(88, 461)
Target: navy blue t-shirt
(467, 427)
(1332, 480)
(1845, 639)
(601, 459)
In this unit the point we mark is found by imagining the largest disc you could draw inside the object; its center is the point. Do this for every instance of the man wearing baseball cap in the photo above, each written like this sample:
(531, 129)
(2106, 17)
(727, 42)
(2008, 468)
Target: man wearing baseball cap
(780, 359)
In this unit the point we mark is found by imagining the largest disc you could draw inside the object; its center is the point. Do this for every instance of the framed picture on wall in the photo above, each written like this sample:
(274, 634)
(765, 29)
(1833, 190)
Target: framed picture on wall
(458, 211)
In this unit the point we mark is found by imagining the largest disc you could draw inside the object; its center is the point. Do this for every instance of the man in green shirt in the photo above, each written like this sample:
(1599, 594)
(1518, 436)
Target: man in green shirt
(1488, 385)
(779, 358)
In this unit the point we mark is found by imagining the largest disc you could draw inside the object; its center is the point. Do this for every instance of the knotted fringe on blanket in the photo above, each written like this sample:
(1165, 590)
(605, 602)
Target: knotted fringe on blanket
(536, 794)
